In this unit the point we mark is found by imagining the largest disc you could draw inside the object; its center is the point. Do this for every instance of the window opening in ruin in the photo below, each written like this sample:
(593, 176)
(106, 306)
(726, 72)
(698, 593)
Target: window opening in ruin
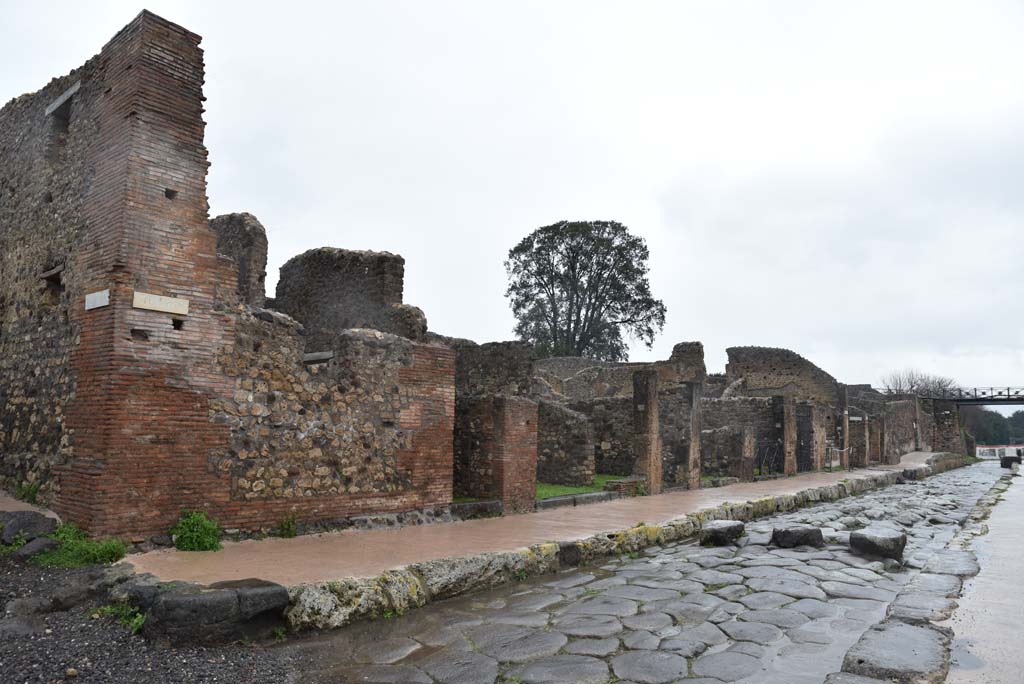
(53, 285)
(178, 323)
(170, 194)
(60, 124)
(140, 335)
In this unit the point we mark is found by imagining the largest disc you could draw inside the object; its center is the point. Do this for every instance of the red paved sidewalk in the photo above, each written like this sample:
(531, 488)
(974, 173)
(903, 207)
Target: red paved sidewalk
(367, 553)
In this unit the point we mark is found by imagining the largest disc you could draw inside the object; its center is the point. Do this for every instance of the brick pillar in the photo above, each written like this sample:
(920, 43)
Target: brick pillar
(785, 425)
(843, 427)
(496, 450)
(515, 453)
(646, 430)
(858, 440)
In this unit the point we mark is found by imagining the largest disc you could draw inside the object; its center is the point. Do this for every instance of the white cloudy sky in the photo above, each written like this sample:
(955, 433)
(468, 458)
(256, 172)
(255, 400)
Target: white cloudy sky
(840, 178)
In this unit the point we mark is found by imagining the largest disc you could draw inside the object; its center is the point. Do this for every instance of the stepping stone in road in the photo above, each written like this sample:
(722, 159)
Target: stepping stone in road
(720, 532)
(879, 541)
(790, 537)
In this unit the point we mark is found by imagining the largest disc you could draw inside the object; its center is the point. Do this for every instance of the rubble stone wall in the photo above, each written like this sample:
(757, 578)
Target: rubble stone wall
(753, 412)
(769, 371)
(900, 429)
(328, 290)
(565, 446)
(948, 435)
(612, 423)
(243, 238)
(728, 452)
(679, 420)
(494, 368)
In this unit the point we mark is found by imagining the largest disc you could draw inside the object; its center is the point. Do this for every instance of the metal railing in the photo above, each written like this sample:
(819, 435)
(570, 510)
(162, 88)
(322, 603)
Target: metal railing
(980, 395)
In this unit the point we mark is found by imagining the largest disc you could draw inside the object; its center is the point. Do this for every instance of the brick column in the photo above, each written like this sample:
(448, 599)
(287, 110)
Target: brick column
(646, 429)
(785, 425)
(515, 453)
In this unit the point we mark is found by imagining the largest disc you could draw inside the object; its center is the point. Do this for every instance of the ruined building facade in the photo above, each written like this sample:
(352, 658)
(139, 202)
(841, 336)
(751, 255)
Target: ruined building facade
(145, 371)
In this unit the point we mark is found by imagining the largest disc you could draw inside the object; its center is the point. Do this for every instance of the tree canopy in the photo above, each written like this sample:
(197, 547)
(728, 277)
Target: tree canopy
(577, 287)
(912, 381)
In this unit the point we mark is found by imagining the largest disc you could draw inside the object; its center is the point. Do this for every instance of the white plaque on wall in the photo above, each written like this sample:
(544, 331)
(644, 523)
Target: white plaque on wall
(152, 302)
(95, 300)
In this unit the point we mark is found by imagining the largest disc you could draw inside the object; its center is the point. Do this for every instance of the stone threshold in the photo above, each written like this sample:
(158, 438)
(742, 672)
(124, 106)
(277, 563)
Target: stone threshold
(910, 645)
(332, 604)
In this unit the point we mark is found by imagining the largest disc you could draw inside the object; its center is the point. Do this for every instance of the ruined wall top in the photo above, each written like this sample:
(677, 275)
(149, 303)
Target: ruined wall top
(329, 290)
(578, 378)
(767, 371)
(243, 238)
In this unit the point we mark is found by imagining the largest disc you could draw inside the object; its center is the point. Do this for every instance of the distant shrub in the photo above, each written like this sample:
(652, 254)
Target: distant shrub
(196, 531)
(76, 549)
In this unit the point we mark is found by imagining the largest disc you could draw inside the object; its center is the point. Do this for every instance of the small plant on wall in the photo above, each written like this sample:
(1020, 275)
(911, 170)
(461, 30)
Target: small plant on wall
(196, 531)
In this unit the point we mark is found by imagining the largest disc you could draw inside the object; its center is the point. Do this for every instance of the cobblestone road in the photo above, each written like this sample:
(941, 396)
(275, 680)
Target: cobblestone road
(748, 613)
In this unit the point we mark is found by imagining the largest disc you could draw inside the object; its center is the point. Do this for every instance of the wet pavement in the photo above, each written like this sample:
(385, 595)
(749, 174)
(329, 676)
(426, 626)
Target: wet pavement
(332, 556)
(990, 618)
(750, 612)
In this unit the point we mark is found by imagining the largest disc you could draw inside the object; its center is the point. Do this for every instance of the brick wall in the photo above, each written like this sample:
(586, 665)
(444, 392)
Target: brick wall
(496, 450)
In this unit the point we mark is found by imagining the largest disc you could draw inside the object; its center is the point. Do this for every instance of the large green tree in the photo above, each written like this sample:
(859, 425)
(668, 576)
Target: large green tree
(577, 288)
(987, 426)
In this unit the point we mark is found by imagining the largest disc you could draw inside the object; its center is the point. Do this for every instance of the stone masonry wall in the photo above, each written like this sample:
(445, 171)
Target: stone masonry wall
(755, 413)
(328, 290)
(49, 163)
(768, 371)
(565, 446)
(728, 451)
(948, 435)
(494, 368)
(612, 422)
(243, 238)
(900, 429)
(366, 431)
(679, 419)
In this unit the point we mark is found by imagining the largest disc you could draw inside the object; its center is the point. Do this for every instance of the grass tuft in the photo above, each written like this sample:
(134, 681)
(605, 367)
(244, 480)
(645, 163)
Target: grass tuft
(77, 550)
(126, 614)
(548, 491)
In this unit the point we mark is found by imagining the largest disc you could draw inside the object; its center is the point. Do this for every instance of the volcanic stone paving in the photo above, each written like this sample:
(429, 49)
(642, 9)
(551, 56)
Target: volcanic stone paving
(747, 612)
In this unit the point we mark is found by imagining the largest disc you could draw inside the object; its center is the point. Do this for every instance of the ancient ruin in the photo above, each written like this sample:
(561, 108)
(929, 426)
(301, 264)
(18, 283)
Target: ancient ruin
(144, 371)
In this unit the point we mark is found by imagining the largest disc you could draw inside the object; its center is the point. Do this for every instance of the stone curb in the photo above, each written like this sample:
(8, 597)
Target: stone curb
(326, 605)
(908, 646)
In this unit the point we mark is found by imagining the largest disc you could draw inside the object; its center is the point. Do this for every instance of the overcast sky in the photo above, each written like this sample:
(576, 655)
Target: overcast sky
(844, 179)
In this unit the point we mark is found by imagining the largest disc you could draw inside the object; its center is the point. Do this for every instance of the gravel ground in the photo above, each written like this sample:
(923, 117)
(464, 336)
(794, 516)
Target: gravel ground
(101, 650)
